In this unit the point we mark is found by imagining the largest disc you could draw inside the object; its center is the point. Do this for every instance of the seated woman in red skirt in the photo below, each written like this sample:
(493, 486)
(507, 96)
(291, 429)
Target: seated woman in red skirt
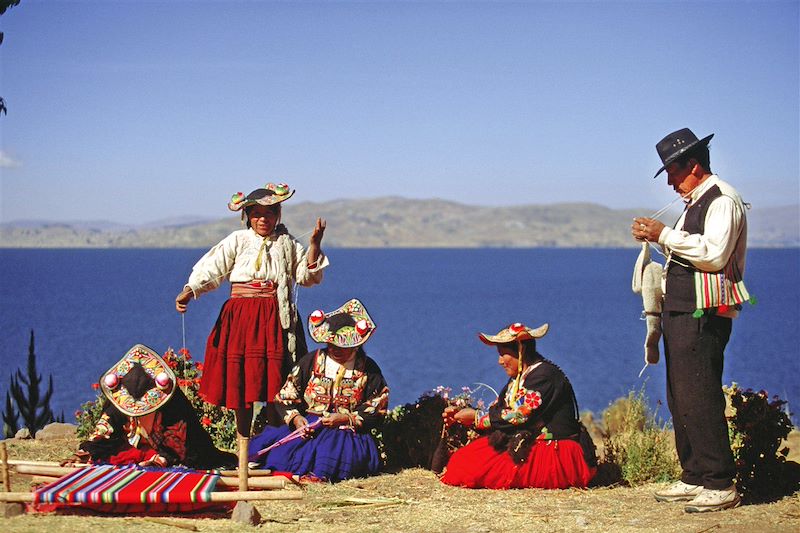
(531, 433)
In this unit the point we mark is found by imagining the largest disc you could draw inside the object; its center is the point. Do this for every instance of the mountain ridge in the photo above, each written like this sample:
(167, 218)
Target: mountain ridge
(396, 222)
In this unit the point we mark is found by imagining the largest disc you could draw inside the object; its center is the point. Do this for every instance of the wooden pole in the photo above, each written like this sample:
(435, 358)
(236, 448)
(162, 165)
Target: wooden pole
(17, 462)
(4, 467)
(244, 444)
(233, 472)
(275, 482)
(225, 496)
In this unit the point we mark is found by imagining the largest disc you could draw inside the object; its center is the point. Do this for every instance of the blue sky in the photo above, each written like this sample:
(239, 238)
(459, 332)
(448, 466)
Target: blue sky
(137, 111)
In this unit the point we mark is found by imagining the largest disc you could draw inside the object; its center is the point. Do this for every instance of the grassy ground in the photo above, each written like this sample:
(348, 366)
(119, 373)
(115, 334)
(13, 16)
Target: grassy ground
(415, 501)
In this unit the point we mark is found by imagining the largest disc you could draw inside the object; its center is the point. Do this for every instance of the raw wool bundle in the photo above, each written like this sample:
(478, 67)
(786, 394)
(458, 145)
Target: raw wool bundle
(286, 309)
(647, 282)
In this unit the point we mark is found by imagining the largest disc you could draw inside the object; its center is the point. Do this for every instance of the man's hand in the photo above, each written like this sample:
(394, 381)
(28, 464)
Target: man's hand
(646, 229)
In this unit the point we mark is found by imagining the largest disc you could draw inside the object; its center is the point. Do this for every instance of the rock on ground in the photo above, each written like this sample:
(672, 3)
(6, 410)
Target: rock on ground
(56, 430)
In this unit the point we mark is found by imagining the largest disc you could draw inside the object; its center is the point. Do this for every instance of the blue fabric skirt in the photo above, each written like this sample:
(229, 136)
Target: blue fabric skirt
(332, 453)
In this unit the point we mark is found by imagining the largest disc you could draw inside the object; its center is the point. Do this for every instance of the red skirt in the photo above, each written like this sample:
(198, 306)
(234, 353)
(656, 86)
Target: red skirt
(553, 464)
(244, 354)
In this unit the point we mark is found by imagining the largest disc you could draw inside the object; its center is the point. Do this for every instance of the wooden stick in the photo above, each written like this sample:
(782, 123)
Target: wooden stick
(4, 467)
(274, 482)
(225, 496)
(253, 472)
(244, 444)
(17, 462)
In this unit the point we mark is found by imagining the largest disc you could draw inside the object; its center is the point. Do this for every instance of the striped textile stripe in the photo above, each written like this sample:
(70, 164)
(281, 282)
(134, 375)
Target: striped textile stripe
(107, 484)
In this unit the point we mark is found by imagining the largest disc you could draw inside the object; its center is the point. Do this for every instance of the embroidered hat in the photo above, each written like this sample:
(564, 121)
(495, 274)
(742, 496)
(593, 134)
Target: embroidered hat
(270, 194)
(676, 144)
(513, 333)
(346, 327)
(139, 383)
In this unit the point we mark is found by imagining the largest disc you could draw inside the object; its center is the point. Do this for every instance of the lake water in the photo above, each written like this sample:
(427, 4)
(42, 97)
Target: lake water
(87, 307)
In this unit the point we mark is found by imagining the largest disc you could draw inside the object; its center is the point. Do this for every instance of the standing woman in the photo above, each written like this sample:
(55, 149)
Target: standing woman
(532, 435)
(254, 338)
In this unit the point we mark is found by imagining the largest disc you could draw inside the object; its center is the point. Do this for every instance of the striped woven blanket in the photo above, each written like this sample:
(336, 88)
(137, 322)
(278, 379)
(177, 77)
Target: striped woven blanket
(108, 484)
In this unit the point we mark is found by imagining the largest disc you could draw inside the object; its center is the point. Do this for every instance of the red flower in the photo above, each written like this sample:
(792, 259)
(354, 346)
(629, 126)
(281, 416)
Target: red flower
(184, 382)
(205, 421)
(95, 386)
(199, 366)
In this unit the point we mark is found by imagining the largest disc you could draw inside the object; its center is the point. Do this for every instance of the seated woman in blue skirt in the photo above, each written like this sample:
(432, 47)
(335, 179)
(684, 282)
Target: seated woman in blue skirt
(330, 401)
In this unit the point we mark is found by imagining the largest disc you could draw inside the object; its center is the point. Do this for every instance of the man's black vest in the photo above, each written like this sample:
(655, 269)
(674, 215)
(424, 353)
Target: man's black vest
(680, 296)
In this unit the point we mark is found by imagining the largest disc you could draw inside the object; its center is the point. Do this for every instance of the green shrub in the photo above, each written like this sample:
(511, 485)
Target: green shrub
(25, 399)
(757, 428)
(412, 433)
(637, 446)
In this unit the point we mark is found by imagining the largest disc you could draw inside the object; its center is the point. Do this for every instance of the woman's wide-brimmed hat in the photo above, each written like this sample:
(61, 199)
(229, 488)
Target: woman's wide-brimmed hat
(139, 383)
(676, 144)
(513, 333)
(270, 194)
(346, 327)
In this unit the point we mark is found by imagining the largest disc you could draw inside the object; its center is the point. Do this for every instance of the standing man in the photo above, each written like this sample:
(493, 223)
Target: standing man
(703, 290)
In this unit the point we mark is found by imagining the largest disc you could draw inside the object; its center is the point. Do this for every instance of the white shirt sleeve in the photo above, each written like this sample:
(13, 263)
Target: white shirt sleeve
(308, 276)
(711, 251)
(214, 267)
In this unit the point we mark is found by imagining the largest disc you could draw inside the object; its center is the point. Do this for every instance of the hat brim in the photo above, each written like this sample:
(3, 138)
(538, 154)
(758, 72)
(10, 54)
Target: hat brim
(505, 336)
(682, 151)
(153, 399)
(346, 336)
(271, 199)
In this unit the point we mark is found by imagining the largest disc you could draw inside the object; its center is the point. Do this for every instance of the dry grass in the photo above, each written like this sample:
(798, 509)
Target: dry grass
(415, 501)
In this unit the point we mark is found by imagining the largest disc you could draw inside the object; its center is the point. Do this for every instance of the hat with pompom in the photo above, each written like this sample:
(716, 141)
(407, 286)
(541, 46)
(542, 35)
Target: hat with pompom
(270, 194)
(346, 327)
(139, 383)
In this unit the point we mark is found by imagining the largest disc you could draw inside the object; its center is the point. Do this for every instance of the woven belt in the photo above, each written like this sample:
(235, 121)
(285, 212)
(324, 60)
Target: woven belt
(253, 289)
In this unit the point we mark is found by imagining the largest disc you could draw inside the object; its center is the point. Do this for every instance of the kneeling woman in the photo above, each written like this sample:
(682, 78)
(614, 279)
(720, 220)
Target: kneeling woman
(531, 433)
(330, 401)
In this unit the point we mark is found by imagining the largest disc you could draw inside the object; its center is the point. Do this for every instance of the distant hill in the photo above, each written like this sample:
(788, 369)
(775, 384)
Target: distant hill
(392, 222)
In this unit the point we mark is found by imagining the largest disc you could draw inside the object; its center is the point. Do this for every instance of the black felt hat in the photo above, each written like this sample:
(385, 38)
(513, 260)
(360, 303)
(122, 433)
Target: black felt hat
(676, 144)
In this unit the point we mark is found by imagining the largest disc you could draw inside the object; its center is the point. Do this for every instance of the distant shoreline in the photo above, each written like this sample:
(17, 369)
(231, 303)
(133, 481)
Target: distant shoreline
(387, 223)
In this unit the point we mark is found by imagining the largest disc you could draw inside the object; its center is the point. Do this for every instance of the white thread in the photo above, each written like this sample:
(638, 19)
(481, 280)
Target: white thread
(183, 330)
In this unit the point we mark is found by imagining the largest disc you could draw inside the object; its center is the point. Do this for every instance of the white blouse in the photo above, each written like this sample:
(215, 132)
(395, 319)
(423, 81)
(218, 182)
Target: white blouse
(235, 257)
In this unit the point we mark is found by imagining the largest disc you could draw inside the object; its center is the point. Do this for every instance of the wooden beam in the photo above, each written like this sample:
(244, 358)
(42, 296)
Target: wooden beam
(4, 465)
(253, 472)
(275, 482)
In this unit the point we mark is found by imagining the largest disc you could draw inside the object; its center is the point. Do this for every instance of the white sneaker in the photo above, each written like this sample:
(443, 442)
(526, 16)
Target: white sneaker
(678, 492)
(714, 500)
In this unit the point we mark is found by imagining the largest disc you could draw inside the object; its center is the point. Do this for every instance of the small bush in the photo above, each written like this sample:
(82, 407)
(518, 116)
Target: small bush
(637, 445)
(757, 427)
(412, 433)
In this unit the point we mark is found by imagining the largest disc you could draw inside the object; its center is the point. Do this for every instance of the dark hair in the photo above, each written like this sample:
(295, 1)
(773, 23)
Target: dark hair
(529, 353)
(274, 207)
(699, 154)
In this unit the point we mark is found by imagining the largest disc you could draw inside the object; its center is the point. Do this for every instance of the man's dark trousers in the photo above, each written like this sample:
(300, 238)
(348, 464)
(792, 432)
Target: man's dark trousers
(694, 354)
